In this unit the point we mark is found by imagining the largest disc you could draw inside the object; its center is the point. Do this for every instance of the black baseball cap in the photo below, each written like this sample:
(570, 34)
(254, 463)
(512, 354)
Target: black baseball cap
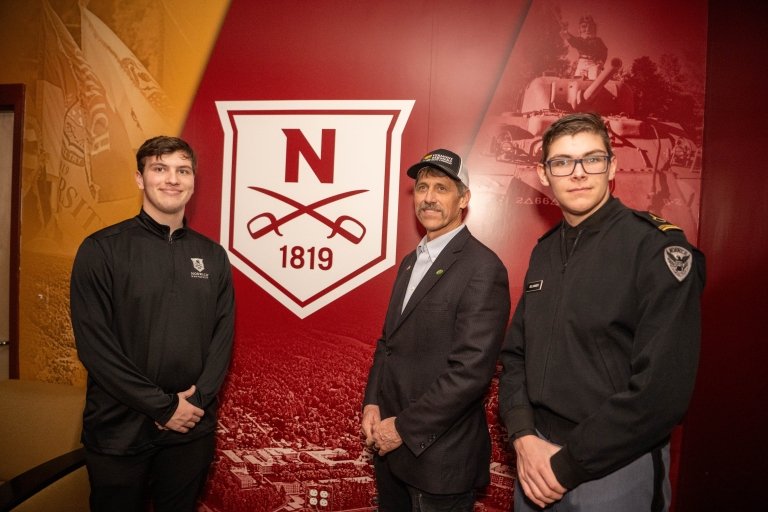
(443, 160)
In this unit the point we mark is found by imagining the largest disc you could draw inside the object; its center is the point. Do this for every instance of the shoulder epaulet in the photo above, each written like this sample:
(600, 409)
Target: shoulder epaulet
(552, 230)
(658, 222)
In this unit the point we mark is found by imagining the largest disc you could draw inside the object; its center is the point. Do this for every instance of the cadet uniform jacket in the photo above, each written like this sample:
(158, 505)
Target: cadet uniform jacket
(602, 352)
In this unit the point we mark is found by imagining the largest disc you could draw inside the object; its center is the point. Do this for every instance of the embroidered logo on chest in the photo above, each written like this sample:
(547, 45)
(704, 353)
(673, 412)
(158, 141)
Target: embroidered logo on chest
(199, 266)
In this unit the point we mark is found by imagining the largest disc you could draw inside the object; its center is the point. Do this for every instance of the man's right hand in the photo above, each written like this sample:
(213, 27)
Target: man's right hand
(534, 470)
(371, 418)
(187, 415)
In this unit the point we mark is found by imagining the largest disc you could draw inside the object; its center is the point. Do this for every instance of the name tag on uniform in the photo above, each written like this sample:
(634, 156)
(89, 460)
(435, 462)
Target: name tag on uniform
(534, 286)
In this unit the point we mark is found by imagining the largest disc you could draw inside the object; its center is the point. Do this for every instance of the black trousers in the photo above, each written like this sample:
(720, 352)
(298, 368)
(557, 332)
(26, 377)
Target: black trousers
(169, 477)
(394, 495)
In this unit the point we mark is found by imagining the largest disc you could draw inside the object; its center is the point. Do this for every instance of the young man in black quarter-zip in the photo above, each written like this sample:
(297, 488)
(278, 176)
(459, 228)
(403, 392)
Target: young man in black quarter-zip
(601, 356)
(153, 315)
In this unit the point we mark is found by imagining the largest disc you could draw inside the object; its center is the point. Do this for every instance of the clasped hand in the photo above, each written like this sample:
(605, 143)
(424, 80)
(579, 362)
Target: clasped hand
(534, 470)
(380, 435)
(186, 415)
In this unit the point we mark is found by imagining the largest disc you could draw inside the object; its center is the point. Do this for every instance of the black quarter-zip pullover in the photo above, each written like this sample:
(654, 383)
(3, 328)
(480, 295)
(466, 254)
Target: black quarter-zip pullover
(152, 313)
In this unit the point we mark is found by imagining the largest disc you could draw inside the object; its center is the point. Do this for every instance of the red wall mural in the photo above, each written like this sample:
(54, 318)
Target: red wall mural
(304, 115)
(485, 80)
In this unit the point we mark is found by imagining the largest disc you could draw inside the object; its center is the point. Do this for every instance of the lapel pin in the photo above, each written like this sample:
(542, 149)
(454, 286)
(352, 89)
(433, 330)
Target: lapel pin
(440, 272)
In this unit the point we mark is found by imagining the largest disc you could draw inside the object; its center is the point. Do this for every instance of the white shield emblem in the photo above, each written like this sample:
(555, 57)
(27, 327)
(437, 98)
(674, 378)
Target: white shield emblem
(678, 260)
(198, 264)
(310, 194)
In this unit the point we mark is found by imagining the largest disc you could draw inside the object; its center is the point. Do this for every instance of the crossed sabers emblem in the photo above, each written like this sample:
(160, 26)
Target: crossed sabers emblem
(311, 210)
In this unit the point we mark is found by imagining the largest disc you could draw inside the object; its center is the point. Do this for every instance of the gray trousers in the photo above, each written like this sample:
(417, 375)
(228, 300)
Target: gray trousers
(629, 489)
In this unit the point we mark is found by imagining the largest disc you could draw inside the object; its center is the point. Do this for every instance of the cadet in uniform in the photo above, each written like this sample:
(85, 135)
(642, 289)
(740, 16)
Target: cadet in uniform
(600, 359)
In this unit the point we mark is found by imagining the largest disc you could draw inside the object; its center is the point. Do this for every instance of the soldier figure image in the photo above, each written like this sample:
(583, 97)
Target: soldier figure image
(592, 50)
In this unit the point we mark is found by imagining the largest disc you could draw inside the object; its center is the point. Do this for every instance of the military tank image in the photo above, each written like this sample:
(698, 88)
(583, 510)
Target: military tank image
(659, 163)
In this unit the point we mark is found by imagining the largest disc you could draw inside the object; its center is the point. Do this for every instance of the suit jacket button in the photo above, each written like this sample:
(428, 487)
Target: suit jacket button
(422, 445)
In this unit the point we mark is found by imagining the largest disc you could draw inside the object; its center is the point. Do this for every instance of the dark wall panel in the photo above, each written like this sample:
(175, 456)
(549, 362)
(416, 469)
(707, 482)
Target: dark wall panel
(723, 454)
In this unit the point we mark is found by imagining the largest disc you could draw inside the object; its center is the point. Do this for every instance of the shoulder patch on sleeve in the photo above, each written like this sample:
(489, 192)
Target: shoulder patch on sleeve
(679, 260)
(658, 222)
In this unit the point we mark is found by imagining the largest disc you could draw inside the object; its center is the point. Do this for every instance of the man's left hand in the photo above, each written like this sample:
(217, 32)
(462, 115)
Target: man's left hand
(534, 470)
(385, 436)
(186, 415)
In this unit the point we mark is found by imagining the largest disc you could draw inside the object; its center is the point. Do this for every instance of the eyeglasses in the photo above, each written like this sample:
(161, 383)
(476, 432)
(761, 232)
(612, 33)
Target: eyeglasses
(592, 164)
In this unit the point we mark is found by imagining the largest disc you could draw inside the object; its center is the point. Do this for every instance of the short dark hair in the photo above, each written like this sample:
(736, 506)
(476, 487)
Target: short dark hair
(164, 145)
(572, 124)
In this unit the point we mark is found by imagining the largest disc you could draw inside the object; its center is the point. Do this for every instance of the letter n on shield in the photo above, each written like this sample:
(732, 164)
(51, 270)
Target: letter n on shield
(310, 194)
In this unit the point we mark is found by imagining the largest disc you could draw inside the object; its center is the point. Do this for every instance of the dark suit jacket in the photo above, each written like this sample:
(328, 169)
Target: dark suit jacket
(433, 364)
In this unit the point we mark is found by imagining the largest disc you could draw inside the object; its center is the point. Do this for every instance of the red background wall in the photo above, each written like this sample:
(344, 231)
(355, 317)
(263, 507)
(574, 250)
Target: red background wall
(721, 463)
(347, 56)
(723, 454)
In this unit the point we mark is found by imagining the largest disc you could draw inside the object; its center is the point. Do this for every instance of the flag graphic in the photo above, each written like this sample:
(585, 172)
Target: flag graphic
(132, 91)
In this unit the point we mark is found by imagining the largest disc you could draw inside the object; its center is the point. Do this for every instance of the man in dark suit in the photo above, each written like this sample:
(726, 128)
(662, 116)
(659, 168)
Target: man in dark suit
(423, 408)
